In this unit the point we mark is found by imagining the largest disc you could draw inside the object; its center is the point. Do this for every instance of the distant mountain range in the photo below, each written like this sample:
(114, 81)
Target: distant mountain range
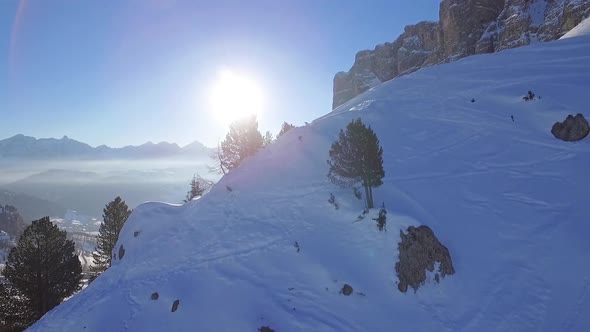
(31, 148)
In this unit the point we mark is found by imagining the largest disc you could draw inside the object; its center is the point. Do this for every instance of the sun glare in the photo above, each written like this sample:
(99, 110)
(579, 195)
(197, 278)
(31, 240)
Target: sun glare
(234, 96)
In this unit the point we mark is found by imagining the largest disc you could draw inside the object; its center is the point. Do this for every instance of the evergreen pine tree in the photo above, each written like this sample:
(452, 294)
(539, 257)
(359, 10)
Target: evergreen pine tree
(285, 128)
(41, 271)
(15, 314)
(198, 187)
(267, 139)
(382, 219)
(357, 158)
(217, 157)
(114, 216)
(243, 140)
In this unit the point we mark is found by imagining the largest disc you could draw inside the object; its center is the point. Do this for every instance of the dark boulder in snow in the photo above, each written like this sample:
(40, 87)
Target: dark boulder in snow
(574, 128)
(155, 296)
(121, 252)
(175, 305)
(419, 251)
(346, 289)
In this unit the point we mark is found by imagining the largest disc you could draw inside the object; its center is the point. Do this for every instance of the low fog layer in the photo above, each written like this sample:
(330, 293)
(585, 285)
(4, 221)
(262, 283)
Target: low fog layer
(86, 186)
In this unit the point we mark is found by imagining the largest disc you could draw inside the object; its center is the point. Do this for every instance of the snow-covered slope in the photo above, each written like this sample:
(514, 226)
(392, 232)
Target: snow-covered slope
(508, 200)
(582, 29)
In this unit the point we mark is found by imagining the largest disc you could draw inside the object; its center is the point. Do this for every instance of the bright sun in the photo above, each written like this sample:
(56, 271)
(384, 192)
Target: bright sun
(235, 96)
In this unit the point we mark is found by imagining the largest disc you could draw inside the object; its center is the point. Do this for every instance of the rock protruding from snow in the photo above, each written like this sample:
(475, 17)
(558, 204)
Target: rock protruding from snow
(347, 289)
(175, 305)
(419, 251)
(465, 27)
(572, 129)
(121, 252)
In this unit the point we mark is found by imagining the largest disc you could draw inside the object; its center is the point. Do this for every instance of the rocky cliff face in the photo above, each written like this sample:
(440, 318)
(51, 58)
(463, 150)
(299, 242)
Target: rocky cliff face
(466, 27)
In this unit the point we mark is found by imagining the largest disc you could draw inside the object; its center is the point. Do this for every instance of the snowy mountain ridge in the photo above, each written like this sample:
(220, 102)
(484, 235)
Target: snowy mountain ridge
(507, 199)
(465, 28)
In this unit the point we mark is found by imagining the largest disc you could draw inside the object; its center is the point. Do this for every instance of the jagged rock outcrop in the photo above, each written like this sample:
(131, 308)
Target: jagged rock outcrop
(465, 27)
(420, 251)
(463, 22)
(406, 54)
(572, 129)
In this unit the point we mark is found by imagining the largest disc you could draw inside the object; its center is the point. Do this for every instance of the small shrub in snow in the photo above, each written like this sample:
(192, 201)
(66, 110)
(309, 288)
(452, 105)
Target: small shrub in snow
(473, 100)
(155, 296)
(297, 246)
(265, 329)
(285, 128)
(357, 193)
(332, 201)
(228, 188)
(362, 215)
(530, 96)
(382, 219)
(198, 187)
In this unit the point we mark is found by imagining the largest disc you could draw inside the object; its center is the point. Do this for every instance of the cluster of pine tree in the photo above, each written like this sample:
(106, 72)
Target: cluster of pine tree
(243, 140)
(356, 158)
(41, 271)
(44, 269)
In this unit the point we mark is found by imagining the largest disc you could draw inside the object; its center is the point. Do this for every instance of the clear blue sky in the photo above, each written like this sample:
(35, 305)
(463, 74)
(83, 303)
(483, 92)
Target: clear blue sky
(121, 72)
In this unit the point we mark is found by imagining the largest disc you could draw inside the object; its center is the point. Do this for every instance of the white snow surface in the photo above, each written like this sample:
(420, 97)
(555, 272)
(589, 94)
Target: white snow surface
(536, 12)
(582, 29)
(508, 200)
